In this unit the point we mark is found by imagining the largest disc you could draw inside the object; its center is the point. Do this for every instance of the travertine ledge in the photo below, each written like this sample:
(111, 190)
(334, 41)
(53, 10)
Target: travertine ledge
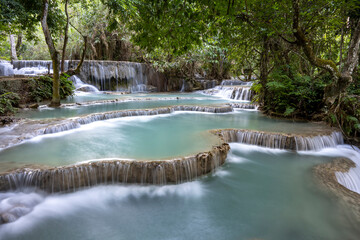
(70, 178)
(294, 142)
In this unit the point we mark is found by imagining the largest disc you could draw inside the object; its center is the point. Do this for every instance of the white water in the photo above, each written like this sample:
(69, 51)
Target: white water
(350, 179)
(241, 93)
(29, 68)
(233, 82)
(6, 69)
(118, 76)
(81, 86)
(183, 86)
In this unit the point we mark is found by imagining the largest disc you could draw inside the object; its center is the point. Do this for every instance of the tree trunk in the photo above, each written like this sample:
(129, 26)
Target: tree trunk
(104, 41)
(55, 102)
(65, 37)
(13, 56)
(264, 70)
(341, 80)
(18, 44)
(77, 70)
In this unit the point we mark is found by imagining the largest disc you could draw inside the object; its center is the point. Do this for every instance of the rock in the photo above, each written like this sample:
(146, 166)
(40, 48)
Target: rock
(34, 106)
(6, 120)
(8, 217)
(19, 211)
(85, 89)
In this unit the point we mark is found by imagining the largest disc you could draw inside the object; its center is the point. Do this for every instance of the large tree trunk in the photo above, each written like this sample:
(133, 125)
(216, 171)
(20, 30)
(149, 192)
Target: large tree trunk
(264, 70)
(55, 102)
(65, 37)
(13, 56)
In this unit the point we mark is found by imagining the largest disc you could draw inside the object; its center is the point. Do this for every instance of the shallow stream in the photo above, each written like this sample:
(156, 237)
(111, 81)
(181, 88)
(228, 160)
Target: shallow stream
(258, 193)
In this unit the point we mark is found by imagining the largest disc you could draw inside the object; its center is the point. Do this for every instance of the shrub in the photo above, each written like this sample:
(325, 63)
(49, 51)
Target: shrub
(41, 88)
(8, 103)
(294, 95)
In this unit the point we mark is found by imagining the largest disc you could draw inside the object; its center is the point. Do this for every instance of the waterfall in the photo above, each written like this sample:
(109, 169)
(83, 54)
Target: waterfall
(242, 93)
(70, 178)
(78, 121)
(351, 179)
(316, 143)
(118, 76)
(33, 67)
(244, 106)
(203, 109)
(104, 75)
(6, 69)
(233, 82)
(81, 86)
(206, 84)
(281, 140)
(183, 86)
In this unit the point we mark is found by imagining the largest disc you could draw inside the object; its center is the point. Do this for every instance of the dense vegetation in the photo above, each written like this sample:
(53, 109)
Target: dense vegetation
(304, 53)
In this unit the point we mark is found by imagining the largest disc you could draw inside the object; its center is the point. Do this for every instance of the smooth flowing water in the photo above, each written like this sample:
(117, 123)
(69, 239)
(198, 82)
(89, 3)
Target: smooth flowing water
(135, 102)
(258, 194)
(176, 134)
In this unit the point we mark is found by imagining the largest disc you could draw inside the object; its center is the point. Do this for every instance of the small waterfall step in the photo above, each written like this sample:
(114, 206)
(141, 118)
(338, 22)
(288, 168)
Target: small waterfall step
(281, 140)
(241, 93)
(71, 178)
(81, 86)
(32, 128)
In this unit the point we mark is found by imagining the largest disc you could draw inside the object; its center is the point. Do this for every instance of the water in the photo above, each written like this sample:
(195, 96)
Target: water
(135, 102)
(104, 75)
(29, 68)
(258, 194)
(241, 93)
(177, 134)
(96, 96)
(81, 86)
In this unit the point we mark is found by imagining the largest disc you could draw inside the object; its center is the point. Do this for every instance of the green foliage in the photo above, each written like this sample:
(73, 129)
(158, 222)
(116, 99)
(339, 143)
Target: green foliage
(8, 103)
(348, 115)
(292, 94)
(41, 88)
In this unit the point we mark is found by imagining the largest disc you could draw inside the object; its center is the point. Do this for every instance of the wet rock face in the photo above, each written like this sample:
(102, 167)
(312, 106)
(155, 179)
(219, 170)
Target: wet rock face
(68, 178)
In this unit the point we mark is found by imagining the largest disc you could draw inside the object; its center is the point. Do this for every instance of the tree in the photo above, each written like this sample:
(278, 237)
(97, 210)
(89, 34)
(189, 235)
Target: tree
(55, 102)
(341, 78)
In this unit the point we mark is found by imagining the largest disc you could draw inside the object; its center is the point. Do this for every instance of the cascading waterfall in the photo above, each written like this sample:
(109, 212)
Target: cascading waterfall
(242, 93)
(70, 178)
(351, 179)
(104, 75)
(235, 82)
(61, 125)
(119, 76)
(280, 140)
(6, 69)
(316, 143)
(77, 122)
(244, 106)
(81, 86)
(183, 86)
